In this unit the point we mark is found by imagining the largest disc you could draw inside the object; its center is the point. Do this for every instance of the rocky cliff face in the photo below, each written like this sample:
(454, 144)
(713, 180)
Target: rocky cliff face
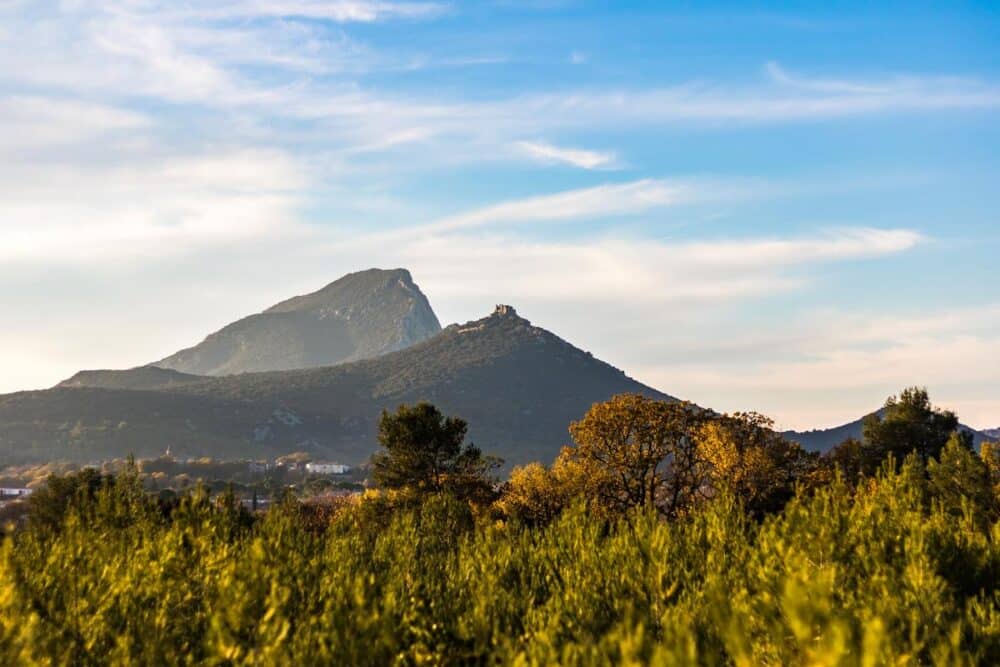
(361, 315)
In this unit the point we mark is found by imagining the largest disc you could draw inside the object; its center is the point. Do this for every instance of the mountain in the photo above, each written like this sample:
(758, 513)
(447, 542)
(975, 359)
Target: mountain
(518, 385)
(821, 440)
(361, 315)
(992, 433)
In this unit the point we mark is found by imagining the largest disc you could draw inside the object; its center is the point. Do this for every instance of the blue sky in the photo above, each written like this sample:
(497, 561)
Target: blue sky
(790, 209)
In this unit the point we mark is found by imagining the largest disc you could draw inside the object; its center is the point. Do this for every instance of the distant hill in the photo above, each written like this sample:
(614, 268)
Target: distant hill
(361, 315)
(143, 377)
(822, 440)
(518, 385)
(993, 433)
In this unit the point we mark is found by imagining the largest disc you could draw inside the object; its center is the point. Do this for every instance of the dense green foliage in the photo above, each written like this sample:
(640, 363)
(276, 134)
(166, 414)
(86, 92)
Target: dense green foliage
(425, 450)
(890, 572)
(909, 423)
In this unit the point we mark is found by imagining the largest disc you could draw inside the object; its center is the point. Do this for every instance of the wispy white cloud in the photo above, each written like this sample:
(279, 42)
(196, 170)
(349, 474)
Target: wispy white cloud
(843, 244)
(36, 122)
(152, 207)
(583, 204)
(338, 11)
(642, 272)
(576, 157)
(123, 50)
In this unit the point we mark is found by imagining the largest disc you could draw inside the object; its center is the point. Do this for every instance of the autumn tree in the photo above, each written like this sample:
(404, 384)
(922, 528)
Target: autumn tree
(748, 457)
(536, 494)
(426, 451)
(533, 495)
(644, 449)
(908, 423)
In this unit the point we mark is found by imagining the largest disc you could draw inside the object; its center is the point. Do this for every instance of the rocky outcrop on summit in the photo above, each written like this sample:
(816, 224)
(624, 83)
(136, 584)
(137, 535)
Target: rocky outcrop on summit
(361, 315)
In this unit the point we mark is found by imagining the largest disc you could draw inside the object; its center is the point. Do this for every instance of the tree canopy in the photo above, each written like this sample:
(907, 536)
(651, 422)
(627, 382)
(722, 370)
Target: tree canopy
(908, 423)
(424, 450)
(646, 449)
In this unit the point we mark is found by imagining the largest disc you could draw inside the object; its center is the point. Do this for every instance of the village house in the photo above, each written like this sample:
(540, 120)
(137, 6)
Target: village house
(328, 468)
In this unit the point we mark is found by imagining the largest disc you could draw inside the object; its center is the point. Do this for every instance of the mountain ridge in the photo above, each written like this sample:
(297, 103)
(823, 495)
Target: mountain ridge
(518, 385)
(362, 314)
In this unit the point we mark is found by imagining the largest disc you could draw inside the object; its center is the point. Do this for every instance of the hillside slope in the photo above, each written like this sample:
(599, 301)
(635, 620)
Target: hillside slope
(143, 377)
(361, 315)
(519, 386)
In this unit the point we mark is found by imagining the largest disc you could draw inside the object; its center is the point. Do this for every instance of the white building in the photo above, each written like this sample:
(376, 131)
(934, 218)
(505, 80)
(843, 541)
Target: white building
(328, 468)
(9, 492)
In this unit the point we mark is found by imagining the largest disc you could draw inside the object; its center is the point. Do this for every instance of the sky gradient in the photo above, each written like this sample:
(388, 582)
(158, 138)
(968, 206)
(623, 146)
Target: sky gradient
(790, 211)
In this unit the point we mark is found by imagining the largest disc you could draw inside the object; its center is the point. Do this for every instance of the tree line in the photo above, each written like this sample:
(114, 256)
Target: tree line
(634, 451)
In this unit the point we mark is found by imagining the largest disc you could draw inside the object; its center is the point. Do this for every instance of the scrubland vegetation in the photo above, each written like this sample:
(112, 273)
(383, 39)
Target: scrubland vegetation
(664, 535)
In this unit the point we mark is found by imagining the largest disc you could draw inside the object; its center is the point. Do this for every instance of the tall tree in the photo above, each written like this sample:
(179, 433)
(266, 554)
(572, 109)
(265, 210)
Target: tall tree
(909, 423)
(646, 450)
(424, 450)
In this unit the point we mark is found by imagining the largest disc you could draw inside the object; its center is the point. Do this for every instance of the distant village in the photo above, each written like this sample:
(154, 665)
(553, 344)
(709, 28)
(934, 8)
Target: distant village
(254, 482)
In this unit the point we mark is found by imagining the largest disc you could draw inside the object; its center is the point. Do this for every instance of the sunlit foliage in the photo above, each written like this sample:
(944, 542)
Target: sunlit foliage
(773, 558)
(888, 573)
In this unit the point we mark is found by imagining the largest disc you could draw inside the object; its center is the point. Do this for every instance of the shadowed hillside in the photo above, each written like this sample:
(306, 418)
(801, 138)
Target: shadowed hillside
(519, 387)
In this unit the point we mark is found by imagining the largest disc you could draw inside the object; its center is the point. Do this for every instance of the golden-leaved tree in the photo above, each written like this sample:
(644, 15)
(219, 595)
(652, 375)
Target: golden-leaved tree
(536, 494)
(642, 450)
(748, 457)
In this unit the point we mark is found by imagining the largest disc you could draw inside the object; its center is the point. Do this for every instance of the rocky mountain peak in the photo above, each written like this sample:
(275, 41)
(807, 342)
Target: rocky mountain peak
(361, 315)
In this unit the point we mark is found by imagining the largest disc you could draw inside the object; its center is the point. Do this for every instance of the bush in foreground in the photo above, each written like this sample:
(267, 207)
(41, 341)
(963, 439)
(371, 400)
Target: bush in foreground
(892, 572)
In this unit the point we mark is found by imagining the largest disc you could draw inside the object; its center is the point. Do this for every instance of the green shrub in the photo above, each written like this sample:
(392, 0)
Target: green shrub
(889, 572)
